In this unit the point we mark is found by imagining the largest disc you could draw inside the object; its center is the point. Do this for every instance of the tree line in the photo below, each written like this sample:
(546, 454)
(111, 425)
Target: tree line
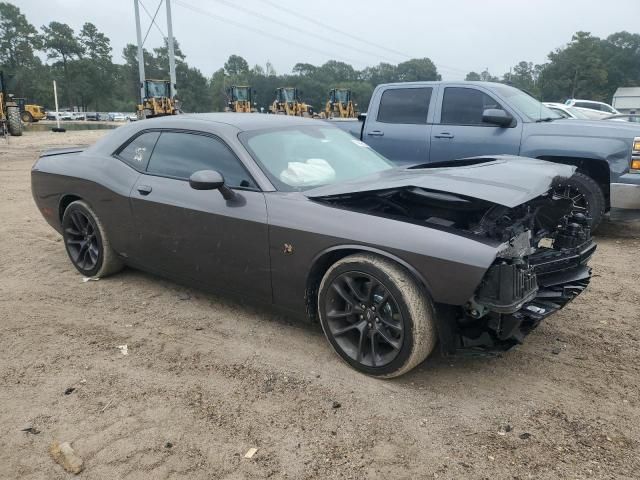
(82, 63)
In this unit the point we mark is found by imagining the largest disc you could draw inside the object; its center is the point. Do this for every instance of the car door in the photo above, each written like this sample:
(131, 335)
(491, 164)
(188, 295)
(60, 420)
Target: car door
(460, 131)
(399, 126)
(197, 235)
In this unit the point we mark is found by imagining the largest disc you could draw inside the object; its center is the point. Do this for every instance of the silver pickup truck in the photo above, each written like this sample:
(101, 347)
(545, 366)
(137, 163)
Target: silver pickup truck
(426, 122)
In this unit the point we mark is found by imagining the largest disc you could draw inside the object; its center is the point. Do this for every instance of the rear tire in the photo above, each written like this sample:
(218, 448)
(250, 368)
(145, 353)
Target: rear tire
(14, 124)
(588, 195)
(388, 326)
(87, 242)
(26, 117)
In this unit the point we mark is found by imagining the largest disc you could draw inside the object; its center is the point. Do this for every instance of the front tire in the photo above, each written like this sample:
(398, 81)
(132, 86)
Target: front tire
(376, 316)
(586, 194)
(14, 125)
(87, 242)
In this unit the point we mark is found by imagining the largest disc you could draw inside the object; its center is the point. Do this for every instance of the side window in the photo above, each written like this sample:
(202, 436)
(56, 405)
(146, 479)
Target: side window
(592, 106)
(464, 106)
(138, 151)
(181, 154)
(404, 105)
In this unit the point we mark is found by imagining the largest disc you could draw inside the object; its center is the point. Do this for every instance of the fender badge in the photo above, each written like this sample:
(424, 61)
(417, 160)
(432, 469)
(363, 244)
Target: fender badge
(287, 249)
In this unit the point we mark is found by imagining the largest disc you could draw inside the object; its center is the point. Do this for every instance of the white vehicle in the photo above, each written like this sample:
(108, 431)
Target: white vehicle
(575, 112)
(592, 105)
(62, 115)
(117, 117)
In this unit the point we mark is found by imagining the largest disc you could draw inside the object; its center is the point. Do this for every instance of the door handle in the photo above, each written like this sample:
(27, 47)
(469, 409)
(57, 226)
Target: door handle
(444, 135)
(144, 189)
(376, 133)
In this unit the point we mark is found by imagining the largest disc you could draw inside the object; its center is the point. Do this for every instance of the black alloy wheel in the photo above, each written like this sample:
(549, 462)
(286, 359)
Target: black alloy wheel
(573, 193)
(585, 194)
(82, 241)
(364, 319)
(375, 314)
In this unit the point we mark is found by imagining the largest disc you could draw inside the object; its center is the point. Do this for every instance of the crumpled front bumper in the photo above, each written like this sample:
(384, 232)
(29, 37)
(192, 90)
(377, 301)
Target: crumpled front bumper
(561, 277)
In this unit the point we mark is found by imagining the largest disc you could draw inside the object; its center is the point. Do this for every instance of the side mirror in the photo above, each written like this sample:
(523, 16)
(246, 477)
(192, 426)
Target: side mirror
(210, 180)
(497, 116)
(362, 117)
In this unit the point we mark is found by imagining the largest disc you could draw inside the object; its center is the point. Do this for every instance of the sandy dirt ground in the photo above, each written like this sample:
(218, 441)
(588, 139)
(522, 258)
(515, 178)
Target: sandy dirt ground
(206, 379)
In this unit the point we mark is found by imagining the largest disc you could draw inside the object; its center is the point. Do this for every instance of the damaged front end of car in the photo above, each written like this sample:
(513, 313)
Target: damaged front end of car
(542, 249)
(540, 267)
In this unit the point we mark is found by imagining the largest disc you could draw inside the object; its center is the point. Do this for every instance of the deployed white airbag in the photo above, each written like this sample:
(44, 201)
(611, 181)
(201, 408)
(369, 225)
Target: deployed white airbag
(312, 172)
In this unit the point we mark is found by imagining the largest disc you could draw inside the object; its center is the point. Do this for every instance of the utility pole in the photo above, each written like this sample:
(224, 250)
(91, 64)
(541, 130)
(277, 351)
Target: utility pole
(140, 50)
(172, 59)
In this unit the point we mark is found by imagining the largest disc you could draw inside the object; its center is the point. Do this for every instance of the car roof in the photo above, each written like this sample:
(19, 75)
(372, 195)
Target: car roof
(241, 121)
(447, 82)
(588, 101)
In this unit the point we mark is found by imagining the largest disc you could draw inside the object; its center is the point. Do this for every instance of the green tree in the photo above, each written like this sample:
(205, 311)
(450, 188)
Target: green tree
(473, 77)
(96, 68)
(18, 38)
(61, 44)
(417, 69)
(236, 65)
(578, 70)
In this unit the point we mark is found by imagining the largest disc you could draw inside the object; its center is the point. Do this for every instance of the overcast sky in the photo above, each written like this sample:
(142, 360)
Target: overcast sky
(458, 35)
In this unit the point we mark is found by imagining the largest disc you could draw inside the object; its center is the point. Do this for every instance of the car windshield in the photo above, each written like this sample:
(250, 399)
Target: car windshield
(303, 157)
(526, 104)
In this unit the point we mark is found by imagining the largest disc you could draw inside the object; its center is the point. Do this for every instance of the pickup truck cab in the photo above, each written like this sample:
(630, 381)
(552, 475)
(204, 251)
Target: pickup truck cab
(425, 122)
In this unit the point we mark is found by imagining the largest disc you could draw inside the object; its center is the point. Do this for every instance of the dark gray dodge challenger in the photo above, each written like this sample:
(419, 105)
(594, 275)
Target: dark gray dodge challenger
(297, 214)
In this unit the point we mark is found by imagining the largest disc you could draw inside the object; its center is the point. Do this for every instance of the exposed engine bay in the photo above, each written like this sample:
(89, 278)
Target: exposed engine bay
(544, 246)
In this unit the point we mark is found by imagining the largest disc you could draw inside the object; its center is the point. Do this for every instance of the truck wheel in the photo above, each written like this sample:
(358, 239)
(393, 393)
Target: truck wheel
(26, 117)
(376, 316)
(586, 195)
(14, 124)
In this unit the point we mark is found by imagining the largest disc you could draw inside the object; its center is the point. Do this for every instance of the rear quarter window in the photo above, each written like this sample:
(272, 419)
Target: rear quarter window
(137, 152)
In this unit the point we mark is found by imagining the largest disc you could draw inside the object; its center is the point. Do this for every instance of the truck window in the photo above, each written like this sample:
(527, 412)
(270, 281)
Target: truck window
(404, 105)
(464, 106)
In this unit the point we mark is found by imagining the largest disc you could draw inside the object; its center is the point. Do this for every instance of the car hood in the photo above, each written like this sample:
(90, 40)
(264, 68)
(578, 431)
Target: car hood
(576, 127)
(505, 180)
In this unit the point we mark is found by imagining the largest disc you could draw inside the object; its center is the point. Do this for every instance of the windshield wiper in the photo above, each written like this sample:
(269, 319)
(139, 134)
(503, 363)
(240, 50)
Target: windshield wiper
(546, 119)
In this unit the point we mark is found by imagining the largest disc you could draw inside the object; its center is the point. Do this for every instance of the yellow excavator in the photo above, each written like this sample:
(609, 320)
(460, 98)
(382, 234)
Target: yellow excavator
(339, 104)
(287, 102)
(30, 112)
(9, 112)
(157, 101)
(240, 99)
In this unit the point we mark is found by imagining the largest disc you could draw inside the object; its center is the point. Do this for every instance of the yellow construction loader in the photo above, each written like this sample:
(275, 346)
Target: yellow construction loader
(240, 99)
(157, 101)
(339, 104)
(9, 112)
(287, 102)
(29, 112)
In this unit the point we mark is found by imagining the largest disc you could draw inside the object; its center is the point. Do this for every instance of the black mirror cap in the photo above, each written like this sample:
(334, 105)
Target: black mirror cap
(211, 180)
(362, 117)
(206, 180)
(497, 116)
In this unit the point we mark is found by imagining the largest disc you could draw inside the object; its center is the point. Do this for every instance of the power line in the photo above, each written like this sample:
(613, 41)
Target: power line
(349, 35)
(153, 21)
(333, 29)
(288, 41)
(297, 29)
